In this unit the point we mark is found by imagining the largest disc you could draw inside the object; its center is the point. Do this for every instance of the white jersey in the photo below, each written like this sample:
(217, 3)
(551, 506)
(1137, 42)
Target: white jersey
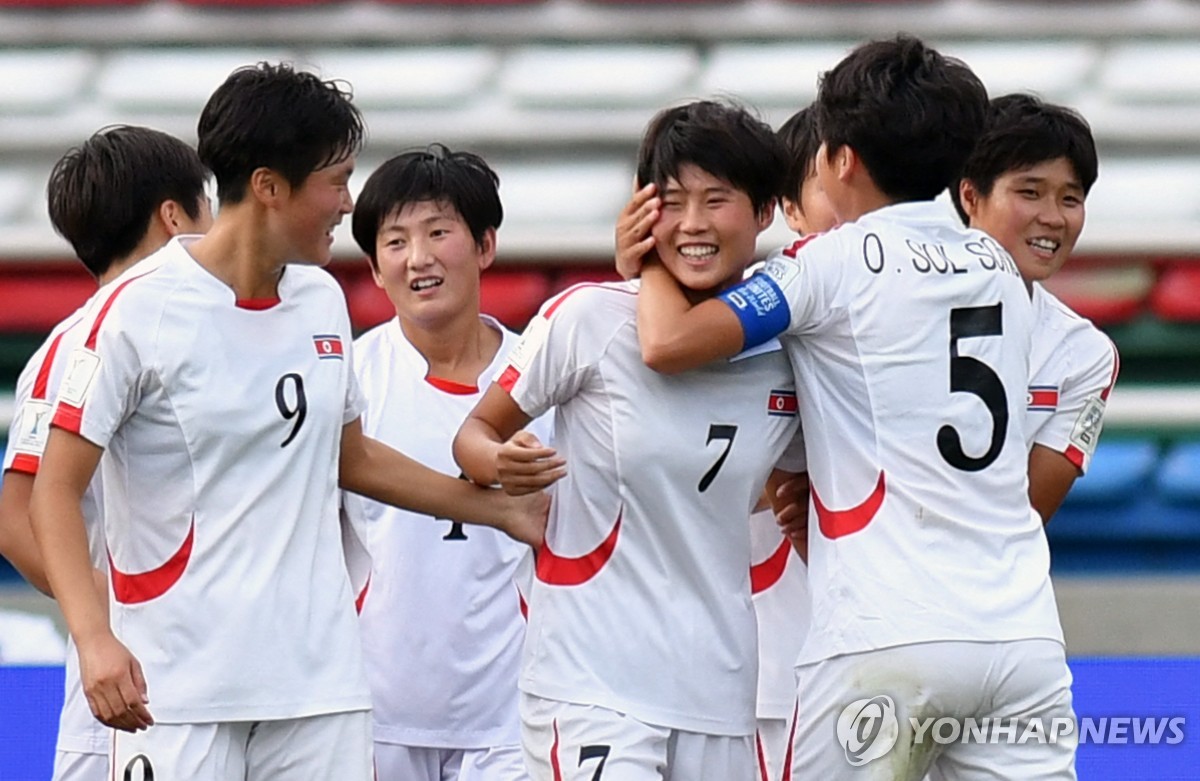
(37, 389)
(641, 603)
(221, 422)
(441, 622)
(779, 586)
(1072, 369)
(910, 337)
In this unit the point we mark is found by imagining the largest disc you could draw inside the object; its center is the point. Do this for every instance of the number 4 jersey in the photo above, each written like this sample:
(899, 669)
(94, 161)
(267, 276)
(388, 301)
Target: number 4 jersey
(221, 422)
(641, 602)
(910, 337)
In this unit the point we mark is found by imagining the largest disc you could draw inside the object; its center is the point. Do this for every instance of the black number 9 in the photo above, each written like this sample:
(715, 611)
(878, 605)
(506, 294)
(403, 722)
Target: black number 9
(143, 761)
(299, 411)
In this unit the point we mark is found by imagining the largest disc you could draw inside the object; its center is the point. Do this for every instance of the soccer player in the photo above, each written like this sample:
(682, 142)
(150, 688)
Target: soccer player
(804, 204)
(640, 657)
(1025, 184)
(219, 385)
(778, 581)
(116, 198)
(910, 338)
(441, 622)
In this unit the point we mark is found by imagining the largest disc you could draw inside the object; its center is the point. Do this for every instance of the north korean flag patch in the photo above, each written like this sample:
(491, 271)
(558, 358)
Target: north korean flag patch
(1043, 398)
(328, 346)
(782, 403)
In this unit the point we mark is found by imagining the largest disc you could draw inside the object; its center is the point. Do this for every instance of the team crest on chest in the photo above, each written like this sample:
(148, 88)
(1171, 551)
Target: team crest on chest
(328, 346)
(1042, 398)
(782, 403)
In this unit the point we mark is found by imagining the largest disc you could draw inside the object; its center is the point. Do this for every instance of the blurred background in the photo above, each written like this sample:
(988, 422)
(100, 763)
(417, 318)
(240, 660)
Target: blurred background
(555, 94)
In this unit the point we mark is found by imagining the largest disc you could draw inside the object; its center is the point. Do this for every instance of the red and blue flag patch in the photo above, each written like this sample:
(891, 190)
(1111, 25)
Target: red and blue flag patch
(328, 346)
(1043, 398)
(782, 403)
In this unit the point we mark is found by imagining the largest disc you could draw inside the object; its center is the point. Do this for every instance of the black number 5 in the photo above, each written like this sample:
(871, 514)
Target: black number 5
(717, 431)
(299, 410)
(971, 375)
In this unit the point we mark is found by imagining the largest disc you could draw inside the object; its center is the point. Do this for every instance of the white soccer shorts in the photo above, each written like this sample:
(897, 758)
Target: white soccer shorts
(895, 714)
(568, 742)
(328, 747)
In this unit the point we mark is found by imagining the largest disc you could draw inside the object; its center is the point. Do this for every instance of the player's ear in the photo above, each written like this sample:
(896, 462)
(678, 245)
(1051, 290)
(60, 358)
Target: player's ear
(766, 215)
(793, 214)
(267, 186)
(487, 249)
(174, 218)
(845, 162)
(969, 196)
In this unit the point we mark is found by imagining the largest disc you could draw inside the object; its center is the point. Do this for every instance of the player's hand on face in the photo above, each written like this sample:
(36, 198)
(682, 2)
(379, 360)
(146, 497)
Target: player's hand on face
(529, 514)
(524, 465)
(634, 241)
(113, 684)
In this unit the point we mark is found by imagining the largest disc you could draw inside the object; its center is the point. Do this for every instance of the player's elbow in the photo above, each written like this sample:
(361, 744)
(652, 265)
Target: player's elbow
(465, 449)
(660, 356)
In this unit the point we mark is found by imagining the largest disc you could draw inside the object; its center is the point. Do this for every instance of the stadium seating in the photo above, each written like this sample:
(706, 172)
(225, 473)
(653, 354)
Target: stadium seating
(587, 76)
(1106, 295)
(35, 302)
(1176, 297)
(1137, 508)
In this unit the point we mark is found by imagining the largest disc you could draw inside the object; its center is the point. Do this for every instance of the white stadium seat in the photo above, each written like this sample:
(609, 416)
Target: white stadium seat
(596, 75)
(169, 80)
(403, 77)
(1057, 71)
(16, 192)
(1145, 72)
(770, 74)
(42, 80)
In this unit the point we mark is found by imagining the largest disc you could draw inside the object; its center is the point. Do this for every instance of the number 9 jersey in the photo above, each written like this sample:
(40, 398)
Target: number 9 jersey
(641, 601)
(910, 337)
(222, 422)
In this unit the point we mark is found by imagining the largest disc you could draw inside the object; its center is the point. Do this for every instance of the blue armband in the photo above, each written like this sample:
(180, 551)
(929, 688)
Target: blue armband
(759, 303)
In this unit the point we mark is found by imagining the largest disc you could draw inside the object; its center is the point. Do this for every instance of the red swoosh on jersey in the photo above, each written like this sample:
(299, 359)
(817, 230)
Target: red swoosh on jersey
(565, 571)
(362, 596)
(839, 523)
(554, 766)
(767, 573)
(132, 589)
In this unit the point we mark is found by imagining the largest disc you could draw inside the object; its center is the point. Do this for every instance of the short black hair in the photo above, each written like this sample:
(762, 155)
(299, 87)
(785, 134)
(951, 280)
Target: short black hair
(272, 116)
(799, 136)
(1023, 131)
(103, 193)
(723, 139)
(460, 179)
(911, 114)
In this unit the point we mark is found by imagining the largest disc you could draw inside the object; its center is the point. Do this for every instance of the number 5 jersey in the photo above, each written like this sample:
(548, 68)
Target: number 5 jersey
(910, 336)
(222, 420)
(641, 601)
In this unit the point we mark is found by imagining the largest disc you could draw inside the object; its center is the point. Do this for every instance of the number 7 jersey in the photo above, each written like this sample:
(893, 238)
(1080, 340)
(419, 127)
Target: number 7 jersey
(221, 423)
(641, 603)
(910, 336)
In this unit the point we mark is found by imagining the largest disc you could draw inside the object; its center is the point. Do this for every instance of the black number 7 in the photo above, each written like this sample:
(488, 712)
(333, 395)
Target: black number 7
(594, 752)
(717, 431)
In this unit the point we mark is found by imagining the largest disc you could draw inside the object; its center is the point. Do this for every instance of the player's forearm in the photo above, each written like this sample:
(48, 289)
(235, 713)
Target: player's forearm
(1051, 475)
(58, 528)
(676, 336)
(386, 475)
(475, 449)
(16, 535)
